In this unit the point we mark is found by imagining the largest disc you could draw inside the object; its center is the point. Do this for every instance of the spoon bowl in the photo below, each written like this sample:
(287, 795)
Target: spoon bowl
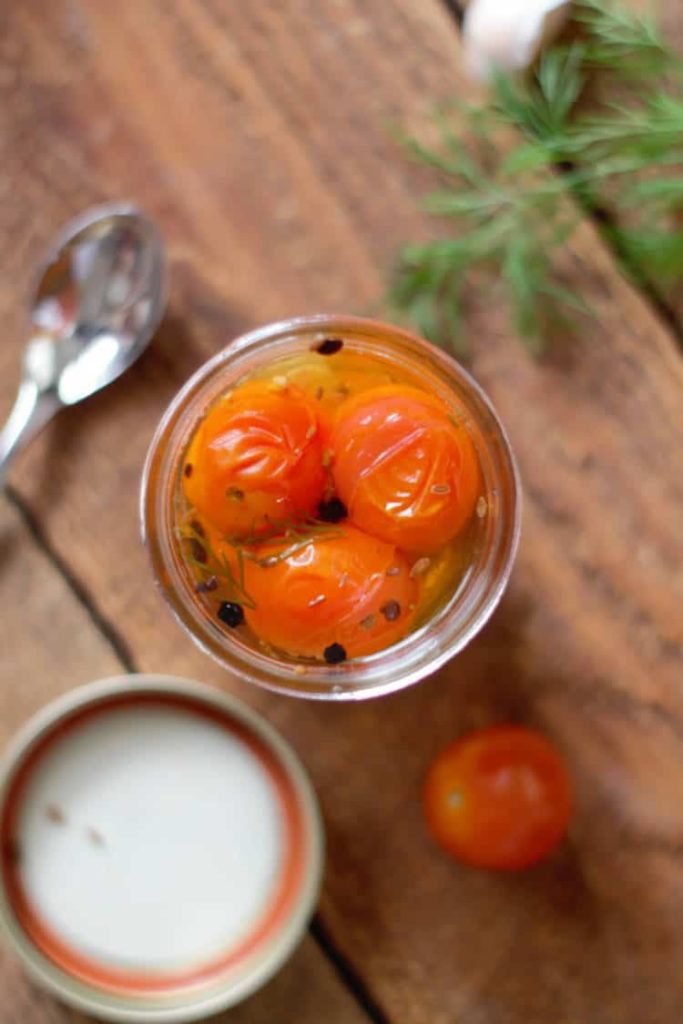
(99, 298)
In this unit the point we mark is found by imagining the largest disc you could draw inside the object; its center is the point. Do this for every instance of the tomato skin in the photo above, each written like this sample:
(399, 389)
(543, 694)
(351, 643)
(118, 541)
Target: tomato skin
(256, 458)
(405, 470)
(499, 798)
(333, 590)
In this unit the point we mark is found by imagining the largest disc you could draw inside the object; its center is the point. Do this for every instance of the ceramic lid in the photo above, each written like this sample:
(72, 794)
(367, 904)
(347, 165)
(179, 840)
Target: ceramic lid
(162, 849)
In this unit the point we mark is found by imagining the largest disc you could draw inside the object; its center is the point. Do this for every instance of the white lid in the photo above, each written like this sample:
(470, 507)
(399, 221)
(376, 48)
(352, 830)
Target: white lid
(161, 849)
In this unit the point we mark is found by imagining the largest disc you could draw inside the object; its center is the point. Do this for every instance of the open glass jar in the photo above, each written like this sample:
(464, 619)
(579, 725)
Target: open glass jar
(493, 536)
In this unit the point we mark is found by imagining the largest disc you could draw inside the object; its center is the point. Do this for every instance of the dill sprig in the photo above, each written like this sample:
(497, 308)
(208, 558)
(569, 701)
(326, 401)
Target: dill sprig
(507, 212)
(290, 535)
(293, 534)
(622, 39)
(211, 564)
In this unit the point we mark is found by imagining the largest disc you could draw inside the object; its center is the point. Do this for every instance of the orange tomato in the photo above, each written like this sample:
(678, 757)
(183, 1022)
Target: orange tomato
(349, 590)
(498, 798)
(256, 458)
(406, 471)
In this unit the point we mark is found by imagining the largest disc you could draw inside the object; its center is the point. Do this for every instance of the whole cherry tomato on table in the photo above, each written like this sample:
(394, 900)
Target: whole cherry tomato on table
(498, 798)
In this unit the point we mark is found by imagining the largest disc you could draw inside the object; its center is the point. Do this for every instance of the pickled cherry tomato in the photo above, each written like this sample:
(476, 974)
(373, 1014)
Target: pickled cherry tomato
(345, 595)
(498, 798)
(256, 459)
(407, 471)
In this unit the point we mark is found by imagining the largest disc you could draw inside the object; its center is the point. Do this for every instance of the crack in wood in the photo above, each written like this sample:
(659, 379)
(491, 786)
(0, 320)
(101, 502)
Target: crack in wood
(346, 973)
(456, 10)
(601, 696)
(99, 620)
(607, 226)
(648, 843)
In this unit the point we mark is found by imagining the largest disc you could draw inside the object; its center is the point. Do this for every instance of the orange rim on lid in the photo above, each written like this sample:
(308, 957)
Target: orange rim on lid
(161, 849)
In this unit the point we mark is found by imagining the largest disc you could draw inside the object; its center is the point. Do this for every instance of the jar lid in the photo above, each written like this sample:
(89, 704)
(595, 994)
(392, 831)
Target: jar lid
(161, 849)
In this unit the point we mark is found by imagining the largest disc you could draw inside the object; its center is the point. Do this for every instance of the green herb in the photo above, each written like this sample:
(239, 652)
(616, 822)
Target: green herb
(623, 40)
(293, 534)
(509, 214)
(211, 565)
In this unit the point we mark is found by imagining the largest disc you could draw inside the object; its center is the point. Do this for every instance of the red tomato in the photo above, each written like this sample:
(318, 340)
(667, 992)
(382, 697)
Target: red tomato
(349, 590)
(406, 471)
(498, 798)
(256, 458)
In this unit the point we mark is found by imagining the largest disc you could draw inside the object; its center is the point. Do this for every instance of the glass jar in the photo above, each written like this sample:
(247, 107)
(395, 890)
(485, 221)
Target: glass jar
(451, 626)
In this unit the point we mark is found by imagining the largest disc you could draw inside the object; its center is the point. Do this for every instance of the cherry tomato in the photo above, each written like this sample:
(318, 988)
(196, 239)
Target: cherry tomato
(349, 590)
(498, 798)
(255, 459)
(406, 471)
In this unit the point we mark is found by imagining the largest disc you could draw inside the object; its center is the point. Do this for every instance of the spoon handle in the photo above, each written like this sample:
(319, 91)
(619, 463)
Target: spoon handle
(33, 408)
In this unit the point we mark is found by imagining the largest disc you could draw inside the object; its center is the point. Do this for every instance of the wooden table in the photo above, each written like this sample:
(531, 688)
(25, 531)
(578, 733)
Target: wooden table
(256, 134)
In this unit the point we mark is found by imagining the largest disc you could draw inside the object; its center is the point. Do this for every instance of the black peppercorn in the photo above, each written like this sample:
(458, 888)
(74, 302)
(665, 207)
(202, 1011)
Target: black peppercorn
(332, 511)
(391, 610)
(231, 613)
(198, 528)
(329, 346)
(206, 586)
(334, 654)
(198, 551)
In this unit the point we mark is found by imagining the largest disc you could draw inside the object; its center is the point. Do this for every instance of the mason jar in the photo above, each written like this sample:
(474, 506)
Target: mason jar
(460, 616)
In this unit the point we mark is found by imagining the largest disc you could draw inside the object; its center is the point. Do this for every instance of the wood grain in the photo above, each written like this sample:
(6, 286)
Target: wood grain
(257, 135)
(50, 644)
(48, 640)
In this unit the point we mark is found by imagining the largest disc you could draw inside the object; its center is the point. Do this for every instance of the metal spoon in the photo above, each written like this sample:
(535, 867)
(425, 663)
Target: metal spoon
(99, 299)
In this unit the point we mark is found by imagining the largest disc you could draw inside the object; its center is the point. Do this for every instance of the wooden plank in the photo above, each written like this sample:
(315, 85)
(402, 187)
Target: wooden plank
(50, 644)
(257, 136)
(24, 1004)
(48, 641)
(666, 15)
(306, 989)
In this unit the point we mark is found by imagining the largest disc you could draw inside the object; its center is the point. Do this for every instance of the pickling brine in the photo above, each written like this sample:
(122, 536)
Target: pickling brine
(329, 503)
(331, 507)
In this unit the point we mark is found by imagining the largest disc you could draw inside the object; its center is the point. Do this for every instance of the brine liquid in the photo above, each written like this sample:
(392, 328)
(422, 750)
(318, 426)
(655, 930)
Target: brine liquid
(329, 381)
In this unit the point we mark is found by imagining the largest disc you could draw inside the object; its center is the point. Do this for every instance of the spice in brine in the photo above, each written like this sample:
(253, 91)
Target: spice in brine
(333, 505)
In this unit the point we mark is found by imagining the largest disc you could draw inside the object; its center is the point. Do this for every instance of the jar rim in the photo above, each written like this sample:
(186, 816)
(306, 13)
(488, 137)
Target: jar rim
(425, 649)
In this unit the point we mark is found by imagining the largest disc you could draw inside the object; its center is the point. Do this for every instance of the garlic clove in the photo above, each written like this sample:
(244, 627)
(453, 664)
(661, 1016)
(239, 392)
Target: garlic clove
(509, 34)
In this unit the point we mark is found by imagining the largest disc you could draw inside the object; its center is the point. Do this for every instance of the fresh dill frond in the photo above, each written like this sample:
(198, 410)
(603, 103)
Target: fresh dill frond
(622, 40)
(650, 131)
(507, 212)
(541, 106)
(428, 285)
(510, 216)
(658, 249)
(659, 194)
